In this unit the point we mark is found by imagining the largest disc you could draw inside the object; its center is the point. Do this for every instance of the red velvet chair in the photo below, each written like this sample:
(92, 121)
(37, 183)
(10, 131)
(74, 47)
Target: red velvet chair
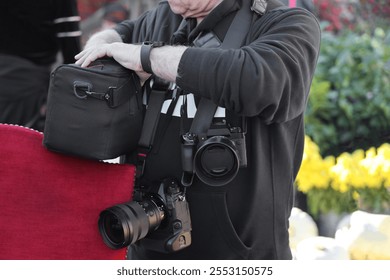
(50, 203)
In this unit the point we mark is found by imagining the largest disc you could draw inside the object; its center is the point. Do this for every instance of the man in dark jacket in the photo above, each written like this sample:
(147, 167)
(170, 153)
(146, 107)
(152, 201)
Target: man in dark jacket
(266, 82)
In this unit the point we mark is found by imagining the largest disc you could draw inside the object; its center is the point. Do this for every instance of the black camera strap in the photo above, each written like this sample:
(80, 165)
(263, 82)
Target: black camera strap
(157, 96)
(206, 109)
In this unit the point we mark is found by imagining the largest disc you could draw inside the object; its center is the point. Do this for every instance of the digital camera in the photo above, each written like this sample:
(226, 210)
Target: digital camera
(216, 157)
(158, 217)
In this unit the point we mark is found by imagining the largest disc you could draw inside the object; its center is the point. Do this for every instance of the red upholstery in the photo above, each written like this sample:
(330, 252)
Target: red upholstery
(50, 203)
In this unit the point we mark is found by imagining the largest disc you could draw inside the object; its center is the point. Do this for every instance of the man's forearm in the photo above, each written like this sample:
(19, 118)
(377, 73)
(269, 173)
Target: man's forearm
(165, 61)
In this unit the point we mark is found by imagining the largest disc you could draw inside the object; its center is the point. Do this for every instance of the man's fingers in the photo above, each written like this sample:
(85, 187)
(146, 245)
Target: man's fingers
(80, 58)
(87, 56)
(79, 55)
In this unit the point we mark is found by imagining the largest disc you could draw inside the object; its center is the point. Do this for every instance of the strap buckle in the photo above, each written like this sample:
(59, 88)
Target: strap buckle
(259, 6)
(109, 96)
(83, 90)
(140, 161)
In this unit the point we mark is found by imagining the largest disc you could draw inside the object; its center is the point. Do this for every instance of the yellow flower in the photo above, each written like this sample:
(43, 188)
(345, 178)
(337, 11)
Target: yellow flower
(347, 172)
(363, 174)
(314, 171)
(383, 153)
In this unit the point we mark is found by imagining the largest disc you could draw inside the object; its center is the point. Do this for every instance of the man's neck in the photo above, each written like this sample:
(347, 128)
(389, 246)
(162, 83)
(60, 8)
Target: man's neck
(208, 8)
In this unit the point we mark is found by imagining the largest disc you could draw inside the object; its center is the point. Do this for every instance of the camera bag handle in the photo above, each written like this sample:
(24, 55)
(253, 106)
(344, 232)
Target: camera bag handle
(204, 115)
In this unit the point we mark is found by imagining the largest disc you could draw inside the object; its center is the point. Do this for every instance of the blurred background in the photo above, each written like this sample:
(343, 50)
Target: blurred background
(343, 187)
(100, 14)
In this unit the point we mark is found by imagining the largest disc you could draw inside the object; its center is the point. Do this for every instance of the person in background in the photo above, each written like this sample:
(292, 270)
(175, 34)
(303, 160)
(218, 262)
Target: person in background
(100, 15)
(31, 35)
(265, 83)
(87, 8)
(114, 13)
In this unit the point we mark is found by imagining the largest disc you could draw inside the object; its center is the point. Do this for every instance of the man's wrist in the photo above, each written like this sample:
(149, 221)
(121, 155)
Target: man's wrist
(166, 61)
(146, 49)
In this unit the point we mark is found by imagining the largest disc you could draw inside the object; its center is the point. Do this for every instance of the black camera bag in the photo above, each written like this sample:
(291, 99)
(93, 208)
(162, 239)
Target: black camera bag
(93, 112)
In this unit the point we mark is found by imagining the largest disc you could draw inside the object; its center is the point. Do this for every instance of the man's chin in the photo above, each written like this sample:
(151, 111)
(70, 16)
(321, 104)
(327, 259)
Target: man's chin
(177, 10)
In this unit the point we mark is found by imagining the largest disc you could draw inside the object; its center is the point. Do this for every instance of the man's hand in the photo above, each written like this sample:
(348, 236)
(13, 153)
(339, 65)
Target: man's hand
(128, 55)
(164, 60)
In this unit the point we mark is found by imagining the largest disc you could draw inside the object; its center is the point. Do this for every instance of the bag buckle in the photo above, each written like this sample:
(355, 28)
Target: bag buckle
(109, 96)
(81, 89)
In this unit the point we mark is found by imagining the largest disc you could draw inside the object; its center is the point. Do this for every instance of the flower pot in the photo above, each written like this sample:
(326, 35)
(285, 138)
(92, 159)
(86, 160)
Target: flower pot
(328, 222)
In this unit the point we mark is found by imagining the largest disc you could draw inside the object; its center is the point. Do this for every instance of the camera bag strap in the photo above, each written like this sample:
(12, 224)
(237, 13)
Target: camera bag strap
(156, 99)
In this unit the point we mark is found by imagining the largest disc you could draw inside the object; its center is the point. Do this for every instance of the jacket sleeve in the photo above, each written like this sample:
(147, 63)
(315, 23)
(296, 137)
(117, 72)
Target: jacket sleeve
(270, 77)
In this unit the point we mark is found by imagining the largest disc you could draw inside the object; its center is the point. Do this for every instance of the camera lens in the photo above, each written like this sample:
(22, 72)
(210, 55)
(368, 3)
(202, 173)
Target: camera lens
(124, 224)
(114, 229)
(216, 161)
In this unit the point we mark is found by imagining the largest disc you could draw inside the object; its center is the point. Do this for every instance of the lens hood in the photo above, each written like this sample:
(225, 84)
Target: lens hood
(216, 161)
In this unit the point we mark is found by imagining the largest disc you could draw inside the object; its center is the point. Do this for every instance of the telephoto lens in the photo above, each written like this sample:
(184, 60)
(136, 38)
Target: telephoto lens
(124, 224)
(157, 218)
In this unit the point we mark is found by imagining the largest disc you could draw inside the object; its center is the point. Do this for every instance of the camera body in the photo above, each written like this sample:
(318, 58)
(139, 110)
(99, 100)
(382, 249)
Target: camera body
(214, 157)
(158, 217)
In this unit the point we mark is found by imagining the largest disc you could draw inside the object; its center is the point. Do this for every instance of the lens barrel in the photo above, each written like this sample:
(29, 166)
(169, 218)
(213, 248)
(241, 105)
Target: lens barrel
(124, 224)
